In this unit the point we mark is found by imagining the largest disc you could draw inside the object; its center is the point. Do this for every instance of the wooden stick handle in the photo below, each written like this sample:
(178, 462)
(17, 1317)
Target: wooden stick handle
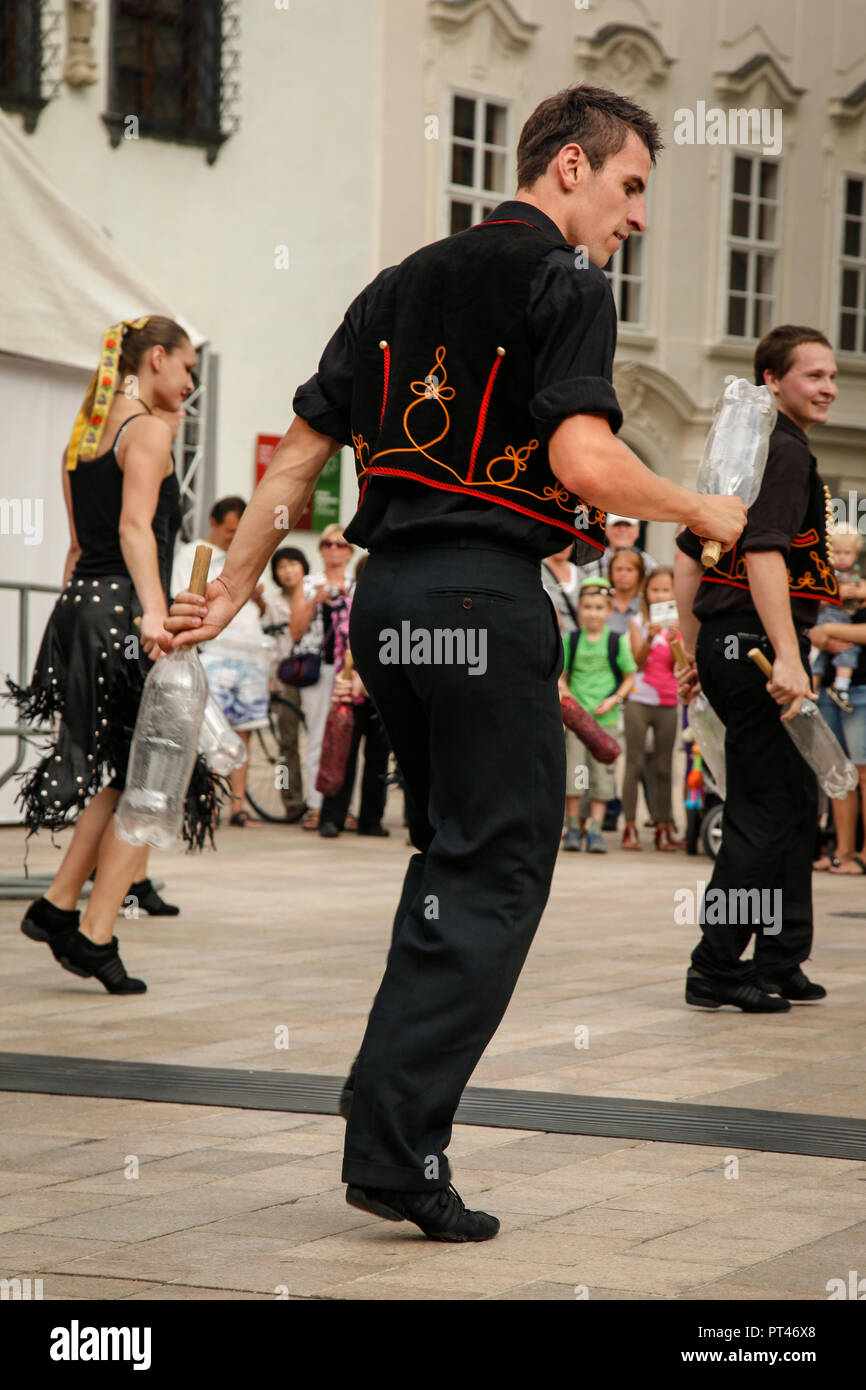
(348, 664)
(710, 553)
(678, 653)
(200, 567)
(761, 662)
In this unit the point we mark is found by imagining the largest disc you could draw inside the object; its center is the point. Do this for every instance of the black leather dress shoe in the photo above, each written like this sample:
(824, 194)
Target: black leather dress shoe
(708, 994)
(380, 831)
(441, 1214)
(797, 987)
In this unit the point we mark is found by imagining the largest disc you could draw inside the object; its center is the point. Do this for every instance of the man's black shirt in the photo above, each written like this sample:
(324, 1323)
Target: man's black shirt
(572, 322)
(775, 518)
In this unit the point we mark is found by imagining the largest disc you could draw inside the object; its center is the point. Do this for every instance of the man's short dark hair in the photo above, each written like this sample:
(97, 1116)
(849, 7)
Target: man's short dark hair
(596, 119)
(776, 348)
(224, 507)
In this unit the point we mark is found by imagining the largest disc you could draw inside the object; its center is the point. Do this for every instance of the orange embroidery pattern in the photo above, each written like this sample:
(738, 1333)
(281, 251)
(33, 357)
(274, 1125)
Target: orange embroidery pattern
(434, 388)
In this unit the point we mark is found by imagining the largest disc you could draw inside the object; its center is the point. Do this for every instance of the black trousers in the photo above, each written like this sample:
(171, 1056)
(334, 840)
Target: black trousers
(368, 725)
(768, 826)
(483, 758)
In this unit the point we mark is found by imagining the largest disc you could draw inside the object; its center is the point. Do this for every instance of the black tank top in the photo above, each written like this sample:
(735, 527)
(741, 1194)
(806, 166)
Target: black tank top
(97, 497)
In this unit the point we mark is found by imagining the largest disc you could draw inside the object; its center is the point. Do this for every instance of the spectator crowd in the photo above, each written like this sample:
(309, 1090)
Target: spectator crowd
(618, 618)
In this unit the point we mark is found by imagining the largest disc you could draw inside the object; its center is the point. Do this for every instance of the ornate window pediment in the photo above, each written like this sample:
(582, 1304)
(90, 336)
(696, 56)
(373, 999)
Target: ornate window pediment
(762, 80)
(851, 107)
(450, 15)
(623, 53)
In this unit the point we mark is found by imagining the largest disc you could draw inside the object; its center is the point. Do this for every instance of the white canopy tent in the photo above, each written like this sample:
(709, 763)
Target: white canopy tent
(63, 282)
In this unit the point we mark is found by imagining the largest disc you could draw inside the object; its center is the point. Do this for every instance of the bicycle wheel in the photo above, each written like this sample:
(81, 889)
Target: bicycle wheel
(266, 771)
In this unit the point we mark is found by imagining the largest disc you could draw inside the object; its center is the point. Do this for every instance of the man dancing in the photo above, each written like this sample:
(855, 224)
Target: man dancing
(474, 383)
(764, 593)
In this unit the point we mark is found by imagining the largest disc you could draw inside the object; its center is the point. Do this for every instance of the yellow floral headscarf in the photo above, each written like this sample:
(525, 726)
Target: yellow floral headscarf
(87, 430)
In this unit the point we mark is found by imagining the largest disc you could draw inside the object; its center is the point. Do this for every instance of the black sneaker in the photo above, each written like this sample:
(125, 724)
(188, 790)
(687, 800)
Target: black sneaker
(147, 897)
(380, 831)
(841, 699)
(441, 1214)
(45, 922)
(328, 830)
(797, 987)
(82, 957)
(706, 994)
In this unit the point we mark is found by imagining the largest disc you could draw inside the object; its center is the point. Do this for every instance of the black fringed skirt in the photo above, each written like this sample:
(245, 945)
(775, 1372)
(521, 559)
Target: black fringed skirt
(84, 699)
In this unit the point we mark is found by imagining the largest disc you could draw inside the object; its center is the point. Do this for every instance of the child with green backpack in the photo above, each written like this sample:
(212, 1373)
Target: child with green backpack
(599, 668)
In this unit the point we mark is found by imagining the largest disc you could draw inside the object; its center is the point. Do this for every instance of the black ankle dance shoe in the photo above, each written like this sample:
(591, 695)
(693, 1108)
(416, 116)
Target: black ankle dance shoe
(45, 922)
(441, 1214)
(81, 956)
(148, 898)
(708, 994)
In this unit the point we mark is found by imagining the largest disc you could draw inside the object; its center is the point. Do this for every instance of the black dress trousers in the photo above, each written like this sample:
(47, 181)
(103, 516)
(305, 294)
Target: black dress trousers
(768, 825)
(480, 746)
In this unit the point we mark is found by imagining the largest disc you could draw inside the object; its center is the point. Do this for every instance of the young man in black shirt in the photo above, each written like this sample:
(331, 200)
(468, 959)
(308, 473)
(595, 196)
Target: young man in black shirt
(474, 383)
(764, 593)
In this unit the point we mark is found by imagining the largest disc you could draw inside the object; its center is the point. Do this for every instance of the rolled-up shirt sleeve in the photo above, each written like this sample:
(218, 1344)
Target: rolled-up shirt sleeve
(572, 320)
(776, 517)
(325, 401)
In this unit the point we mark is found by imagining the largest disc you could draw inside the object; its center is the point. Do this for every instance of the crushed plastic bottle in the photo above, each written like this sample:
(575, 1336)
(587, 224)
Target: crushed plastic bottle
(220, 745)
(736, 447)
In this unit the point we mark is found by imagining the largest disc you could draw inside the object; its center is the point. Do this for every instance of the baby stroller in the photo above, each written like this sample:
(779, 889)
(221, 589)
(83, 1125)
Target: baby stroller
(704, 804)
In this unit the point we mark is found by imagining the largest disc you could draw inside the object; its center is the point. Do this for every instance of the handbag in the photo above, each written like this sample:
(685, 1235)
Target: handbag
(304, 668)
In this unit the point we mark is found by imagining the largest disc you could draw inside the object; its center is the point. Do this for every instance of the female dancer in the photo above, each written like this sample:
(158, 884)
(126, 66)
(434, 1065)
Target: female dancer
(122, 499)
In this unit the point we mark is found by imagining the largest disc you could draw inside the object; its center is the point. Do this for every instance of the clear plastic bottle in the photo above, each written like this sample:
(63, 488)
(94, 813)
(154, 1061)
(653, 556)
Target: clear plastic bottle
(165, 742)
(709, 731)
(816, 743)
(822, 751)
(736, 447)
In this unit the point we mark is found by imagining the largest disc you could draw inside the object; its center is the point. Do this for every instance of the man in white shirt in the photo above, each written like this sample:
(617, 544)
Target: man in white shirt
(622, 533)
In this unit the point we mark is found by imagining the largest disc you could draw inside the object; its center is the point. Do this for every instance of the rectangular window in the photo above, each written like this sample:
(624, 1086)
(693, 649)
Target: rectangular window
(478, 160)
(754, 222)
(626, 274)
(166, 77)
(852, 267)
(21, 59)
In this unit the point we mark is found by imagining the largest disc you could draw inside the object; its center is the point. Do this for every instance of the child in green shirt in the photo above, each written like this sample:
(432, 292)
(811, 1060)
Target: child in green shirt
(599, 674)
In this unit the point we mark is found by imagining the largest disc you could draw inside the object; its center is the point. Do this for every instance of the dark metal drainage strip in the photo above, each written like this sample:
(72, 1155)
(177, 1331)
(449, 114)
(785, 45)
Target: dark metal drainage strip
(827, 1136)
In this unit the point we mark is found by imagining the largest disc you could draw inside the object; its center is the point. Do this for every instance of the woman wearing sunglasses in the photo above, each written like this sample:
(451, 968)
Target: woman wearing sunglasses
(313, 621)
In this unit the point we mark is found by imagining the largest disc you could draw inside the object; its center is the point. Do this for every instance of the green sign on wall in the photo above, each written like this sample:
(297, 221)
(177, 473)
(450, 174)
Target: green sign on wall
(326, 498)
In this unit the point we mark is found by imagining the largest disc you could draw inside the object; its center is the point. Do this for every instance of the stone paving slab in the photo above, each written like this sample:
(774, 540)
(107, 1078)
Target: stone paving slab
(248, 1204)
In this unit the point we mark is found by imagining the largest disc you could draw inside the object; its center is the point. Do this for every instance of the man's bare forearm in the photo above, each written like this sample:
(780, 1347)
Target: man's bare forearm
(280, 497)
(768, 583)
(590, 461)
(687, 578)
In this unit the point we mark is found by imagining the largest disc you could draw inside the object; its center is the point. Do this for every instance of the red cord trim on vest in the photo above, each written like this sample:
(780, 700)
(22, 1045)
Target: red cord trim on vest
(482, 416)
(823, 594)
(474, 492)
(504, 222)
(386, 372)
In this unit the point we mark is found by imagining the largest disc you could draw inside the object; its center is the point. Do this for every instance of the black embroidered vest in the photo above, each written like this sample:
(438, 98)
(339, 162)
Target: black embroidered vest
(810, 564)
(443, 378)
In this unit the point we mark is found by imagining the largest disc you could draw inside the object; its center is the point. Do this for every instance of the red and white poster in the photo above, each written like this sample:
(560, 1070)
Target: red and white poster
(266, 445)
